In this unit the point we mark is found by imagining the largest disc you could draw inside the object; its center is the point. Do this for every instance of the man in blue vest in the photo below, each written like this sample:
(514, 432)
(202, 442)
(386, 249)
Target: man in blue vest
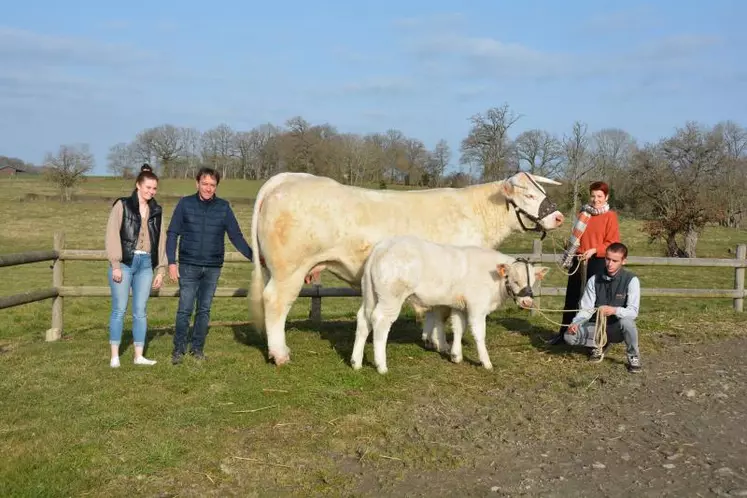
(616, 293)
(200, 222)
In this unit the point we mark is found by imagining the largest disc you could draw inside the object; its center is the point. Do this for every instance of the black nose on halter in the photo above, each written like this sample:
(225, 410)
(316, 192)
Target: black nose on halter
(526, 291)
(547, 207)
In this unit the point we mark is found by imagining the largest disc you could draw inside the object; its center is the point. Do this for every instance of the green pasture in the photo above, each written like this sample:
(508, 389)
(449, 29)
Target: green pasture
(238, 425)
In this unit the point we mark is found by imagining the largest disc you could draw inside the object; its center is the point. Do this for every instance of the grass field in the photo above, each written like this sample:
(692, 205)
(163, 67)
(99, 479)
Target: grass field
(236, 425)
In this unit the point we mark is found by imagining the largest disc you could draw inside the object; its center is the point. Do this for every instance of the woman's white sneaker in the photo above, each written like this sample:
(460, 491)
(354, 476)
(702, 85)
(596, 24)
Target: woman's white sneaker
(114, 362)
(142, 360)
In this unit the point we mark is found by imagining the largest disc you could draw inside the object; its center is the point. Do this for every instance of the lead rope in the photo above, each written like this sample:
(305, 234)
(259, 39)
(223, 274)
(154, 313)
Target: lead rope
(600, 329)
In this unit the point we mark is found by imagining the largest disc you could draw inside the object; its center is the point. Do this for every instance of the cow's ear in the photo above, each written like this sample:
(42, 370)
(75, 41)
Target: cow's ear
(508, 189)
(502, 269)
(540, 272)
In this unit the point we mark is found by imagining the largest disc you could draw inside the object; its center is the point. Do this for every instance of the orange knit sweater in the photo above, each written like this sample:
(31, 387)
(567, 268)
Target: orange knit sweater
(601, 231)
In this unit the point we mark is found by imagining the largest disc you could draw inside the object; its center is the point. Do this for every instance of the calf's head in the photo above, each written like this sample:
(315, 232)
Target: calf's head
(519, 277)
(534, 210)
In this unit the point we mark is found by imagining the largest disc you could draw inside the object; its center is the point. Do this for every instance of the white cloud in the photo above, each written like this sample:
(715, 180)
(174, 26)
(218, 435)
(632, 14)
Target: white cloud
(27, 47)
(381, 86)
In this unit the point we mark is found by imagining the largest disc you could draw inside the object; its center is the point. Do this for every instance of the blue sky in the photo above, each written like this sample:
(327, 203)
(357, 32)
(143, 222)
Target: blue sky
(87, 72)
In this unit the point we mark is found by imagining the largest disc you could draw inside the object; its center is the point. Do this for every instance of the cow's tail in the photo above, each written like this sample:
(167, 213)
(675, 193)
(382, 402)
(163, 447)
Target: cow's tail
(260, 274)
(367, 288)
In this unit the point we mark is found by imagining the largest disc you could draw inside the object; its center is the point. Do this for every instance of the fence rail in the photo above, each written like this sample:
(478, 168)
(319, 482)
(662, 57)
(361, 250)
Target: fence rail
(58, 292)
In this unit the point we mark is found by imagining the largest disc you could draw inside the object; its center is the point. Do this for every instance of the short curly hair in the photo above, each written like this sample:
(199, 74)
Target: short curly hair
(600, 186)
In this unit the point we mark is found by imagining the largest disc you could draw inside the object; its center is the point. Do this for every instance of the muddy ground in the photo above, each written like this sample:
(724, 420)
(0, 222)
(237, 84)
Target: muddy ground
(677, 429)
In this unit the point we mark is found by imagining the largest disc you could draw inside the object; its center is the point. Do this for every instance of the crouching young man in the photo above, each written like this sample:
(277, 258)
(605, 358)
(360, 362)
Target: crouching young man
(616, 292)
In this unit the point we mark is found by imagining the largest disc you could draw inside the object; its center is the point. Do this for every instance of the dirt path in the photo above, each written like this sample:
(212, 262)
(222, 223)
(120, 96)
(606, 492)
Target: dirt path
(677, 429)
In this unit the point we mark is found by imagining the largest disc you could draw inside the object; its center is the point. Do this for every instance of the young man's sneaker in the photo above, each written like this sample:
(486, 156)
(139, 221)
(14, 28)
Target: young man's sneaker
(634, 364)
(596, 355)
(198, 355)
(176, 358)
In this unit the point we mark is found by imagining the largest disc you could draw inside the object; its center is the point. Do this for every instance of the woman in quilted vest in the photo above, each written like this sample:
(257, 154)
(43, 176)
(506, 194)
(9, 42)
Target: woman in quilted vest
(136, 250)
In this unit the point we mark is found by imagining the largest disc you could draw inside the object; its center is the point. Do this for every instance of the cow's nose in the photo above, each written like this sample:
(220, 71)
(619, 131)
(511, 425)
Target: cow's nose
(559, 218)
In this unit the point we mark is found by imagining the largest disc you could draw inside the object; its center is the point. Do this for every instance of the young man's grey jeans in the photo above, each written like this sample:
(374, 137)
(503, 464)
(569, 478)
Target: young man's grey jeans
(585, 335)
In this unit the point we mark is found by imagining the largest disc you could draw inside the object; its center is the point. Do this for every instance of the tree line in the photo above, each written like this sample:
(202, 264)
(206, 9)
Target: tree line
(682, 182)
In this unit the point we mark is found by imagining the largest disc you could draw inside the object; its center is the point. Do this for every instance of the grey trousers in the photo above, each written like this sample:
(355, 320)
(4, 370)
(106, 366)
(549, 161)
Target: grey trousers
(585, 335)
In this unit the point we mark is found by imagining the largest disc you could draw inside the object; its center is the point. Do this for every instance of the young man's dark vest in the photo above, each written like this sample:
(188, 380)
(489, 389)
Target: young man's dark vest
(612, 292)
(204, 229)
(130, 230)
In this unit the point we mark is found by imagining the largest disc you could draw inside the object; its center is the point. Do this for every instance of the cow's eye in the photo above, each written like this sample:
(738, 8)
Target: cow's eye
(531, 196)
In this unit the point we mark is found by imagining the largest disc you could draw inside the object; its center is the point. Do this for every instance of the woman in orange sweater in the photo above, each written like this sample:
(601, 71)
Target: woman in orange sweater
(596, 228)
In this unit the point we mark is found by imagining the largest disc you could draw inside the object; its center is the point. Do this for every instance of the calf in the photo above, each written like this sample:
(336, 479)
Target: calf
(471, 281)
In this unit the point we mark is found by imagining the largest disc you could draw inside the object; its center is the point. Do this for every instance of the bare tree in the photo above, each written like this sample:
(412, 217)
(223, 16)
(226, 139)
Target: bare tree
(121, 160)
(488, 145)
(67, 168)
(542, 152)
(396, 161)
(677, 177)
(143, 148)
(613, 150)
(415, 157)
(218, 148)
(167, 142)
(579, 163)
(191, 139)
(733, 180)
(438, 160)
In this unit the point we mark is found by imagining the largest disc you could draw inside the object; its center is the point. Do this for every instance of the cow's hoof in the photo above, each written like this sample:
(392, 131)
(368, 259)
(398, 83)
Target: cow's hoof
(280, 359)
(444, 349)
(356, 366)
(488, 366)
(382, 370)
(456, 358)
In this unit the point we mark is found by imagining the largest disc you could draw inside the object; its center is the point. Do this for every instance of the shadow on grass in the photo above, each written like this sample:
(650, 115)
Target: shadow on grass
(245, 333)
(341, 335)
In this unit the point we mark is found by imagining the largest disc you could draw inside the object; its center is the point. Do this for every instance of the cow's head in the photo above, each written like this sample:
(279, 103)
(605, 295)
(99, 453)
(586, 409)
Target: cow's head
(519, 277)
(534, 210)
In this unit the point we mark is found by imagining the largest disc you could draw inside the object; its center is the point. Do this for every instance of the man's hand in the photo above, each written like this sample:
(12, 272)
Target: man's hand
(173, 272)
(589, 253)
(117, 275)
(573, 328)
(157, 281)
(607, 310)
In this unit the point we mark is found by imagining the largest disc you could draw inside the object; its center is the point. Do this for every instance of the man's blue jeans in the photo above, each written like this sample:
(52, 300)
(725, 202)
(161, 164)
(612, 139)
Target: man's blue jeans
(197, 284)
(139, 276)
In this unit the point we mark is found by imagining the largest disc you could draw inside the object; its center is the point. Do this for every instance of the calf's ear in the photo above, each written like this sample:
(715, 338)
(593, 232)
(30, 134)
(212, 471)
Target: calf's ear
(540, 272)
(502, 270)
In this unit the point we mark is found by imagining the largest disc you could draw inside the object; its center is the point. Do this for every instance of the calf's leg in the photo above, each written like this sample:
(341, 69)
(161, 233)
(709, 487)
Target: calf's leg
(383, 316)
(363, 328)
(477, 326)
(458, 324)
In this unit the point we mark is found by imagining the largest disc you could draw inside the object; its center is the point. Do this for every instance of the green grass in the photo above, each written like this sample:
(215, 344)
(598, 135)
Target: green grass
(71, 426)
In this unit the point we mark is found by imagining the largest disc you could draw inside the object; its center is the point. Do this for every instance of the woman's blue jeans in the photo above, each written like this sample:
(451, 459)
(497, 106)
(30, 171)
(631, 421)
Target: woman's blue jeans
(139, 277)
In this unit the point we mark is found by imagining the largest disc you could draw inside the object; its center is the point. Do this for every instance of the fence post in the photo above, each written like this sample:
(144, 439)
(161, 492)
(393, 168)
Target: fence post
(739, 279)
(55, 333)
(315, 312)
(537, 256)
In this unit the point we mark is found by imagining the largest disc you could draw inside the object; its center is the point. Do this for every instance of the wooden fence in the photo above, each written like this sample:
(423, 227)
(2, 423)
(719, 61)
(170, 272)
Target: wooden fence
(59, 291)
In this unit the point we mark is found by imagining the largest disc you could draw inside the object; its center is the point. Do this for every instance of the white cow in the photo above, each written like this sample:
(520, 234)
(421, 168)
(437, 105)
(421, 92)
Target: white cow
(303, 224)
(472, 281)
